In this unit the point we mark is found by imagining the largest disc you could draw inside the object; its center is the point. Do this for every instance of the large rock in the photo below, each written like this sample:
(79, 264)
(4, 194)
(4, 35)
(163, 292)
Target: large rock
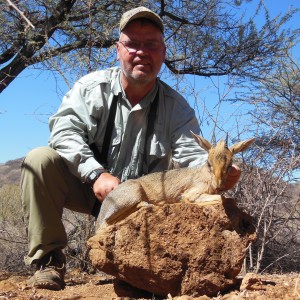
(181, 249)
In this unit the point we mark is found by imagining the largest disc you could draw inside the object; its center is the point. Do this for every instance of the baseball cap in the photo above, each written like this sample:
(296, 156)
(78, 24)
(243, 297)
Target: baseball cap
(140, 12)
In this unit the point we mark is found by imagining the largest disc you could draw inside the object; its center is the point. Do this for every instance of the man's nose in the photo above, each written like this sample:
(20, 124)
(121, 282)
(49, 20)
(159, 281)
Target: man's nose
(142, 51)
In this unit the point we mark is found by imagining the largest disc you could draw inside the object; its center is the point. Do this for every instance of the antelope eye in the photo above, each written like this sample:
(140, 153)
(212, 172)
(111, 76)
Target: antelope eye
(230, 165)
(209, 164)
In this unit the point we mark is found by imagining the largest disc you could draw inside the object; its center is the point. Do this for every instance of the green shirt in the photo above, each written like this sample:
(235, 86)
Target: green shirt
(81, 121)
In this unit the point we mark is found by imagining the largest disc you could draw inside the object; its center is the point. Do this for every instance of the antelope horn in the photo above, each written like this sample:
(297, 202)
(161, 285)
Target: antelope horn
(213, 139)
(226, 140)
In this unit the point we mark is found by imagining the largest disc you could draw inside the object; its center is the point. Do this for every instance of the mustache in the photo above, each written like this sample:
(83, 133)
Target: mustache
(141, 62)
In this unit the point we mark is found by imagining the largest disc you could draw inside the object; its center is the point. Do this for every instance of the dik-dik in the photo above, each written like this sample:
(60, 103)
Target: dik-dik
(172, 186)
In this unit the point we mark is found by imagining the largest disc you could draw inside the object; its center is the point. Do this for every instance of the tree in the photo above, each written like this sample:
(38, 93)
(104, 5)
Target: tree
(205, 38)
(275, 110)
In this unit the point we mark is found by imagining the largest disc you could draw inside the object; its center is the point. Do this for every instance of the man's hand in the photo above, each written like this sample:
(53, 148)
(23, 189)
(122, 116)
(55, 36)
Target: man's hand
(233, 176)
(105, 184)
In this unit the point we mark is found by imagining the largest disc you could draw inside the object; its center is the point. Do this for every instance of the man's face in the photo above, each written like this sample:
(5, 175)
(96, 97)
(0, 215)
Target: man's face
(141, 52)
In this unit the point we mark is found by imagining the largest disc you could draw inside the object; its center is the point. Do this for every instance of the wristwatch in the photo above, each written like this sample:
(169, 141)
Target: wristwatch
(94, 175)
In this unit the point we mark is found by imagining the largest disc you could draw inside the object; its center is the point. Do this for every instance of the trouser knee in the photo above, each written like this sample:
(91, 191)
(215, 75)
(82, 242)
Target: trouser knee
(42, 163)
(46, 177)
(41, 158)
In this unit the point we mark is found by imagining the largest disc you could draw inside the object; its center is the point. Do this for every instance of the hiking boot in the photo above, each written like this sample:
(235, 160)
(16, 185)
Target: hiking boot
(50, 271)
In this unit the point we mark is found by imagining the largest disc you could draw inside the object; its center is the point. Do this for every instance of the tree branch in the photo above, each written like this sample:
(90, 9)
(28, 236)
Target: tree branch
(36, 41)
(10, 3)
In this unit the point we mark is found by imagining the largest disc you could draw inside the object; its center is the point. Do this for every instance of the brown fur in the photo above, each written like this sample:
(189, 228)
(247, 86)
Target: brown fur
(185, 184)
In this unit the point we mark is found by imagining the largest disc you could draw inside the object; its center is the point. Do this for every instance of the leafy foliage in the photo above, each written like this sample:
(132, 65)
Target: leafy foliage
(205, 38)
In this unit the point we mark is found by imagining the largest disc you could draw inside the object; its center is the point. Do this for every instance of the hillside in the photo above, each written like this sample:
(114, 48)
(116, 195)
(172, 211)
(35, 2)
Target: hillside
(10, 172)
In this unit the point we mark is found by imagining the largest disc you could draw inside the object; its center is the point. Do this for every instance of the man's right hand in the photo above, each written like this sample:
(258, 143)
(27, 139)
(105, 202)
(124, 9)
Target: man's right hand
(104, 185)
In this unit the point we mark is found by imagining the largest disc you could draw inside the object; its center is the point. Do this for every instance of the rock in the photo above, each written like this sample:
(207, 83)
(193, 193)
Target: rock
(176, 249)
(251, 281)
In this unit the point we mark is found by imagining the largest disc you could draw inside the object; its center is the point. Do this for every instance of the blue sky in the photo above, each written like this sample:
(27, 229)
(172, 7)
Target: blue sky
(29, 100)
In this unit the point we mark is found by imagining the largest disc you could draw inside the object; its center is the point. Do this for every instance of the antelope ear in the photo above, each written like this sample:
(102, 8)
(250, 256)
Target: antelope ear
(202, 142)
(241, 146)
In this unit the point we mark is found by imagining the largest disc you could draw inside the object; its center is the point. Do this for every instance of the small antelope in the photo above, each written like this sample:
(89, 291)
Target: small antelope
(173, 186)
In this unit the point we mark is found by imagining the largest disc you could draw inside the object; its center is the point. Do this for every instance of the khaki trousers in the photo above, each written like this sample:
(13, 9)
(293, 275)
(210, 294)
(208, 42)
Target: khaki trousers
(47, 187)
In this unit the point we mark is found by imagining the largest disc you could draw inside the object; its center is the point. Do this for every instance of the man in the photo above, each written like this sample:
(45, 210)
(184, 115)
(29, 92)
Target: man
(128, 119)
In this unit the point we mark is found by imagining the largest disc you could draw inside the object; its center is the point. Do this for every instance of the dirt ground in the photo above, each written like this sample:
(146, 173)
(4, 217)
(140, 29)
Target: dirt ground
(101, 286)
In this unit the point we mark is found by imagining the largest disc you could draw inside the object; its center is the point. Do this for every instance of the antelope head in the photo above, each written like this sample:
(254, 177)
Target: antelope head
(220, 157)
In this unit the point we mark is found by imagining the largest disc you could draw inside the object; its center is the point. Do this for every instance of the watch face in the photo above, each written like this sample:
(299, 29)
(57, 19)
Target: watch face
(93, 176)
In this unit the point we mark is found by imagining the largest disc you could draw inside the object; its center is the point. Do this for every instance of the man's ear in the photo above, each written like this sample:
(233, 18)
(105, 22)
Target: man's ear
(117, 49)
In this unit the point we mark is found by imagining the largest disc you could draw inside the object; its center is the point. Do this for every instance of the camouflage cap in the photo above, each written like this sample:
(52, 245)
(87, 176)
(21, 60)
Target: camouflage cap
(140, 12)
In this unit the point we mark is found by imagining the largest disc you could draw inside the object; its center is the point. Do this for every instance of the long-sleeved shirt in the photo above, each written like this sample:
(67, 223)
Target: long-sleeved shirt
(82, 117)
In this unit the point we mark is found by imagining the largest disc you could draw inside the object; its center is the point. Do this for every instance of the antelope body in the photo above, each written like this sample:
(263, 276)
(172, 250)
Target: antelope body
(173, 186)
